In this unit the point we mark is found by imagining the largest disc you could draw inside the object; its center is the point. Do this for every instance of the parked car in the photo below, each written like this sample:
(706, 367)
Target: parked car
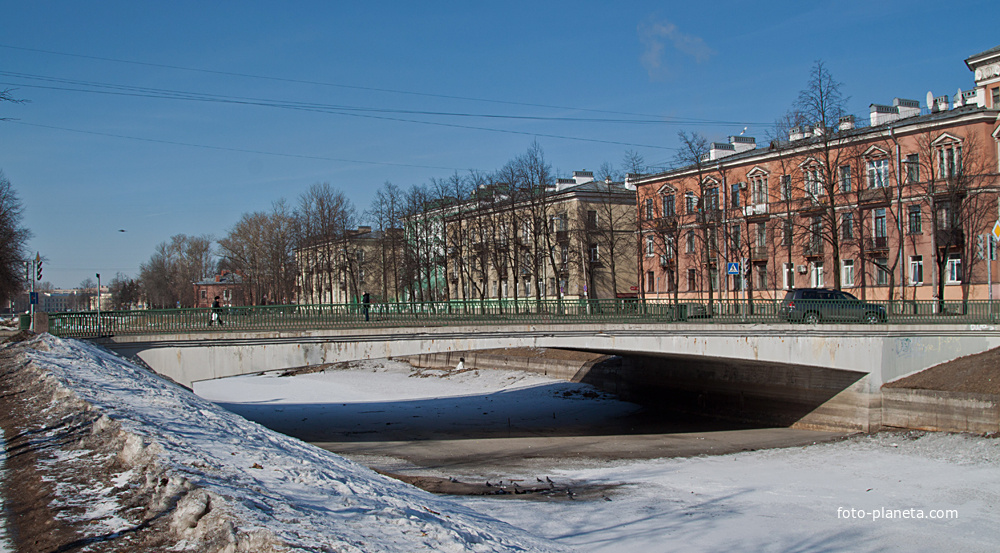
(812, 305)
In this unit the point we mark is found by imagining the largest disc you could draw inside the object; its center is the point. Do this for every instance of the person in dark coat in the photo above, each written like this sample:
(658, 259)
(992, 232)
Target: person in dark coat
(366, 301)
(216, 312)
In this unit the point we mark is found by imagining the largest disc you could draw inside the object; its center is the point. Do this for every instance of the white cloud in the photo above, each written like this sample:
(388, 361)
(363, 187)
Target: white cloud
(654, 34)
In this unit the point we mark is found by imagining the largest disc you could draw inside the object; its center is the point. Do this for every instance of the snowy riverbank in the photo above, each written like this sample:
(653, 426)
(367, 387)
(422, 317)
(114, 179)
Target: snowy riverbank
(791, 499)
(212, 479)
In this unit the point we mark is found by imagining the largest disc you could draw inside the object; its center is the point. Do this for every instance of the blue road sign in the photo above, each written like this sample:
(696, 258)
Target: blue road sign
(733, 268)
(33, 298)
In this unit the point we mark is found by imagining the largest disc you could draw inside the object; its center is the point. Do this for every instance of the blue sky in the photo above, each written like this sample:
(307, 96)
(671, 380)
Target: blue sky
(86, 164)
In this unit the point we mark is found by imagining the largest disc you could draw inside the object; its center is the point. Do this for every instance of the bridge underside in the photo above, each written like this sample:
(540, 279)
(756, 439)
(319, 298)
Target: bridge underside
(745, 390)
(814, 377)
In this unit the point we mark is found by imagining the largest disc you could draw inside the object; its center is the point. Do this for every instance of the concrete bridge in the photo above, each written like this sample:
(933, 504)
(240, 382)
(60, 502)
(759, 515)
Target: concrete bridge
(816, 376)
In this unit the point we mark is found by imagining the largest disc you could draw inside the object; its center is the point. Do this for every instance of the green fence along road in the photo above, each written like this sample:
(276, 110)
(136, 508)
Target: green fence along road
(490, 312)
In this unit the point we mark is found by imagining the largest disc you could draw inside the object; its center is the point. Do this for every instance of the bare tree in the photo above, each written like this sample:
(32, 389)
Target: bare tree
(703, 212)
(821, 105)
(259, 248)
(168, 277)
(13, 241)
(322, 219)
(954, 183)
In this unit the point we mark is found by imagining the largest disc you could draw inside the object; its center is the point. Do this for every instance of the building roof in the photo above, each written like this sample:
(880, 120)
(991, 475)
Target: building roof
(777, 146)
(979, 56)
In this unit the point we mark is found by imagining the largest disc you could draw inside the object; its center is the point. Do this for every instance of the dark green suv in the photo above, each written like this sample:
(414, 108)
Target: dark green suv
(813, 305)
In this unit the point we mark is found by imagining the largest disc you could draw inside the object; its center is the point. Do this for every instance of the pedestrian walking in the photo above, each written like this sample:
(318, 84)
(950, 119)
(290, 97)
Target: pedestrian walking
(366, 301)
(216, 312)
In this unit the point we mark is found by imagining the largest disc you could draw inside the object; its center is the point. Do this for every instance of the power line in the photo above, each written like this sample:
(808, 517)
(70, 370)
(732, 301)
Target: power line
(347, 113)
(226, 149)
(328, 84)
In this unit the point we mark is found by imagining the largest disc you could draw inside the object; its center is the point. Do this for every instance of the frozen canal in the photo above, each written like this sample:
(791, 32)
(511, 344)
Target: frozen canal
(887, 492)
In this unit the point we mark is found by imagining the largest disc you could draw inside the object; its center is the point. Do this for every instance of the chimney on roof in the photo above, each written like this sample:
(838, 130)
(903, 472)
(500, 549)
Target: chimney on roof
(846, 123)
(583, 177)
(882, 114)
(940, 104)
(743, 143)
(719, 150)
(907, 108)
(799, 132)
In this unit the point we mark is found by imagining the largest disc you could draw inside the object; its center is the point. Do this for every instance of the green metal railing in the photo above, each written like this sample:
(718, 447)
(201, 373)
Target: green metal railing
(508, 311)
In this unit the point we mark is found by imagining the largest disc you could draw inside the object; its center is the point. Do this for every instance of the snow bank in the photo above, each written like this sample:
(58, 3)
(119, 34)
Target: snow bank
(5, 545)
(232, 483)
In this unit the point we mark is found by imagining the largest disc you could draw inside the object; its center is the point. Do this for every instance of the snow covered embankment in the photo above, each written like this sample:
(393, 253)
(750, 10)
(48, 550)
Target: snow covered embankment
(133, 459)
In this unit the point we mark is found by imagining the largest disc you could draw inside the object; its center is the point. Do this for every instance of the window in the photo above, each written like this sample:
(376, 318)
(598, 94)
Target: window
(649, 209)
(995, 97)
(591, 219)
(761, 242)
(761, 273)
(735, 243)
(813, 181)
(881, 271)
(916, 270)
(847, 226)
(668, 247)
(787, 276)
(595, 253)
(204, 294)
(785, 188)
(913, 219)
(881, 241)
(690, 203)
(737, 283)
(692, 280)
(845, 178)
(787, 232)
(946, 220)
(913, 168)
(711, 203)
(650, 281)
(847, 272)
(816, 274)
(734, 195)
(564, 254)
(650, 246)
(950, 160)
(526, 232)
(758, 189)
(878, 173)
(689, 239)
(954, 269)
(227, 295)
(668, 205)
(713, 278)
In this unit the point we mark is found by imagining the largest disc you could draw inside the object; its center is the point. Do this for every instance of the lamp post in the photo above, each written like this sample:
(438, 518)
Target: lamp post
(98, 305)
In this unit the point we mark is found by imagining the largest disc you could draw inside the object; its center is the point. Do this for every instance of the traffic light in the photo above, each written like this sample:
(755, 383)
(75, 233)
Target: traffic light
(38, 268)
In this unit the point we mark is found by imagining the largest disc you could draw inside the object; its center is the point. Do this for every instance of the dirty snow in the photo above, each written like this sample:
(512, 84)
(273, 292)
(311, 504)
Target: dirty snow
(267, 483)
(5, 545)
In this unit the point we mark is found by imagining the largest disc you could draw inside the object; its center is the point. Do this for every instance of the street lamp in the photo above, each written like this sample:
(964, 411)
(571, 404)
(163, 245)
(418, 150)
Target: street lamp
(98, 305)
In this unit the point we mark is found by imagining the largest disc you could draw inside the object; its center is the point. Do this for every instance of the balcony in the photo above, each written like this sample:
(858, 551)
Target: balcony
(878, 243)
(755, 210)
(813, 249)
(758, 253)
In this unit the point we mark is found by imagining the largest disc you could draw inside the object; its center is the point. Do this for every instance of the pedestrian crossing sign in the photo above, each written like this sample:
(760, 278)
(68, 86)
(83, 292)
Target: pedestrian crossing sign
(733, 268)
